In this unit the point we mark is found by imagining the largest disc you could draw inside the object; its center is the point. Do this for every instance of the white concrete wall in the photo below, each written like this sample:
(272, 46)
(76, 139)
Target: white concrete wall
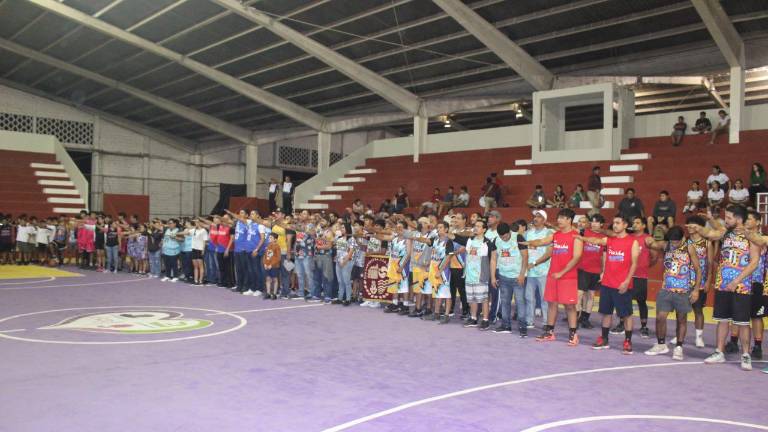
(754, 117)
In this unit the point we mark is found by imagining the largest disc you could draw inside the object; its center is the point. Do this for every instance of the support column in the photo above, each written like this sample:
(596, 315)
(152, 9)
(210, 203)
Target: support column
(420, 128)
(323, 151)
(251, 170)
(736, 103)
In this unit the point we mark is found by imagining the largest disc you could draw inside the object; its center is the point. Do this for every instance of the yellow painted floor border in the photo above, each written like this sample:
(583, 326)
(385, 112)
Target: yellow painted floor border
(32, 272)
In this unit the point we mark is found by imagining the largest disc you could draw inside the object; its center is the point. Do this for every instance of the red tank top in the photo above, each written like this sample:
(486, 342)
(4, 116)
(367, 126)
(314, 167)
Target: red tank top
(618, 261)
(213, 234)
(644, 260)
(562, 253)
(224, 235)
(592, 255)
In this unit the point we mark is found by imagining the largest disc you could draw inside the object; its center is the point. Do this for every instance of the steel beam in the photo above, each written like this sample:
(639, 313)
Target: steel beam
(722, 30)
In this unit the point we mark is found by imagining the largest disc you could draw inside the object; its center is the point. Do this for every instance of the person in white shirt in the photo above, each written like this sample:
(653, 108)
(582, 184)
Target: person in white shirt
(715, 197)
(287, 196)
(723, 123)
(719, 176)
(739, 195)
(694, 198)
(462, 200)
(22, 242)
(199, 238)
(43, 237)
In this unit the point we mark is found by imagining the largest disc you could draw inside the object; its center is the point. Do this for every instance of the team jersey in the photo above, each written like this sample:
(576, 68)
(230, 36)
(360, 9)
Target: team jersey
(304, 246)
(679, 276)
(535, 253)
(439, 273)
(241, 232)
(421, 253)
(321, 240)
(592, 255)
(734, 258)
(701, 254)
(477, 268)
(509, 259)
(618, 261)
(562, 253)
(758, 276)
(343, 246)
(644, 260)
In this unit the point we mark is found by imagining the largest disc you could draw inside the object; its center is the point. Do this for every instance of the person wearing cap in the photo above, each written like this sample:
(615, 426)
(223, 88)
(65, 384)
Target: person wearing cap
(494, 218)
(538, 266)
(510, 257)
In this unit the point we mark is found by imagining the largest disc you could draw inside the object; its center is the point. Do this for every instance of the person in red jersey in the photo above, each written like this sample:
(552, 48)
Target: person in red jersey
(622, 254)
(590, 267)
(561, 286)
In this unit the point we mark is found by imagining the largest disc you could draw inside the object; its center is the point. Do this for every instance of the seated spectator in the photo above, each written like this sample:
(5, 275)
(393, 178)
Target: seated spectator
(462, 201)
(738, 195)
(447, 201)
(631, 207)
(577, 197)
(756, 182)
(401, 200)
(678, 131)
(694, 199)
(703, 125)
(499, 188)
(358, 206)
(558, 198)
(538, 199)
(429, 207)
(723, 123)
(490, 192)
(663, 213)
(719, 176)
(386, 207)
(715, 197)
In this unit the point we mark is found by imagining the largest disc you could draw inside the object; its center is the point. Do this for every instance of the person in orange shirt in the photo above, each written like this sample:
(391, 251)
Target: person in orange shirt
(271, 263)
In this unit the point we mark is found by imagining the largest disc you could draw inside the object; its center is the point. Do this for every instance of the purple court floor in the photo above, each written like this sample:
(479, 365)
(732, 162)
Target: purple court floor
(116, 352)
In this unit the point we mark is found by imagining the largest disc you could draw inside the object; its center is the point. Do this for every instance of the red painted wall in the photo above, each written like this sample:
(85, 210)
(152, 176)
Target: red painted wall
(129, 204)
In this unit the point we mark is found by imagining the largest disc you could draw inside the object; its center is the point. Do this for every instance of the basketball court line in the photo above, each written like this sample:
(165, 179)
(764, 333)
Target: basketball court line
(13, 331)
(560, 423)
(266, 310)
(405, 406)
(75, 285)
(50, 279)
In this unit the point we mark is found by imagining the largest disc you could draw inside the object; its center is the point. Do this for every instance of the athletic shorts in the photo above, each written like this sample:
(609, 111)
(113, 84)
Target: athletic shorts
(25, 247)
(759, 302)
(701, 301)
(611, 298)
(639, 288)
(668, 301)
(357, 273)
(443, 292)
(563, 291)
(42, 247)
(730, 306)
(272, 273)
(197, 254)
(405, 285)
(419, 275)
(588, 281)
(6, 247)
(477, 293)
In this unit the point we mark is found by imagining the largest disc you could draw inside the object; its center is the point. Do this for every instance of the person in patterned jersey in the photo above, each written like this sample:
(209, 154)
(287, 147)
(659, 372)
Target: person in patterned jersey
(681, 287)
(733, 288)
(439, 276)
(759, 302)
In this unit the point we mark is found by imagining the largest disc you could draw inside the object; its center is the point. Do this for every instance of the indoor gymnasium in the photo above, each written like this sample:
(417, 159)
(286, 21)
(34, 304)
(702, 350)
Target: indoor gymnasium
(383, 215)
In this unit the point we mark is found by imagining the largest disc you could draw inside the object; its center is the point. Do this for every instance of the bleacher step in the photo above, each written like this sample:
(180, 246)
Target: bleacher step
(517, 172)
(625, 168)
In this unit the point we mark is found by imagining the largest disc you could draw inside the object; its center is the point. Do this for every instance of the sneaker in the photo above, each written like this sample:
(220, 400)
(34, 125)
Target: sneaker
(600, 344)
(165, 279)
(256, 293)
(336, 301)
(757, 352)
(429, 317)
(677, 353)
(485, 325)
(295, 296)
(175, 280)
(416, 313)
(315, 300)
(501, 328)
(746, 362)
(537, 312)
(627, 349)
(523, 332)
(699, 342)
(365, 304)
(731, 347)
(765, 371)
(673, 341)
(547, 336)
(619, 329)
(530, 326)
(573, 340)
(471, 323)
(391, 308)
(644, 332)
(249, 292)
(347, 302)
(715, 357)
(403, 310)
(445, 319)
(657, 349)
(585, 324)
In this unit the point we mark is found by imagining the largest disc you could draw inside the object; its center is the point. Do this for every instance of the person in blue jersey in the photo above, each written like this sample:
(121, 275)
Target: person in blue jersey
(510, 258)
(733, 288)
(439, 276)
(254, 238)
(680, 288)
(170, 249)
(242, 276)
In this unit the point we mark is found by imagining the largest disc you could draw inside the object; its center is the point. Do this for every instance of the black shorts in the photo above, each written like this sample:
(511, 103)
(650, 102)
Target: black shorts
(730, 306)
(42, 247)
(639, 288)
(611, 299)
(702, 300)
(357, 273)
(197, 254)
(588, 281)
(759, 301)
(6, 247)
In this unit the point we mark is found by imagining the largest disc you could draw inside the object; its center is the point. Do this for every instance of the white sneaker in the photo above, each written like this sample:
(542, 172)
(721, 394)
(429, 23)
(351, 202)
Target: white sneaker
(374, 305)
(256, 293)
(700, 342)
(249, 292)
(175, 280)
(364, 304)
(165, 279)
(657, 349)
(673, 341)
(537, 312)
(746, 362)
(677, 353)
(715, 357)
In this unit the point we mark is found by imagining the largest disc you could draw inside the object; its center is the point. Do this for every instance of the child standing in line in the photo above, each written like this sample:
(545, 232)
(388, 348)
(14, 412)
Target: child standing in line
(271, 263)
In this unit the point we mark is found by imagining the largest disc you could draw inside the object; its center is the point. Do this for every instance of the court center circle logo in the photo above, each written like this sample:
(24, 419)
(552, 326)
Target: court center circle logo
(110, 325)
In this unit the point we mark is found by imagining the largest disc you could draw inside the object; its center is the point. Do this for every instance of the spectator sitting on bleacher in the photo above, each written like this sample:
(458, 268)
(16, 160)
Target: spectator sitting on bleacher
(694, 199)
(538, 199)
(386, 207)
(429, 207)
(738, 195)
(678, 131)
(631, 207)
(756, 182)
(401, 200)
(490, 193)
(663, 214)
(447, 201)
(462, 201)
(558, 198)
(703, 125)
(720, 176)
(723, 123)
(715, 196)
(577, 197)
(358, 206)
